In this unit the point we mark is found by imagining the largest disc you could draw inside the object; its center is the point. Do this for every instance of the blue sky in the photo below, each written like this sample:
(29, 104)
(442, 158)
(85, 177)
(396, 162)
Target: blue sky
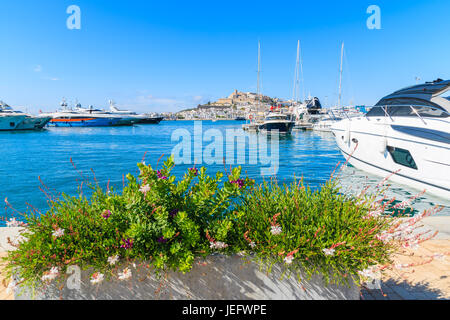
(166, 56)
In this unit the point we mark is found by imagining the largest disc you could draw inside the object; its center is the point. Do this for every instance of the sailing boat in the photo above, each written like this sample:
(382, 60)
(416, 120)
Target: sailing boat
(302, 110)
(278, 121)
(339, 112)
(255, 121)
(347, 111)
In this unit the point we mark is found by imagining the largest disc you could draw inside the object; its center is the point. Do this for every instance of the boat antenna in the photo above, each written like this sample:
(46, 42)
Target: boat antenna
(340, 76)
(349, 77)
(258, 88)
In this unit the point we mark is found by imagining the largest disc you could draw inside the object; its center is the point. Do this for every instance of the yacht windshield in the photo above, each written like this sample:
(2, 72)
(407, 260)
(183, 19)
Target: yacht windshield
(407, 111)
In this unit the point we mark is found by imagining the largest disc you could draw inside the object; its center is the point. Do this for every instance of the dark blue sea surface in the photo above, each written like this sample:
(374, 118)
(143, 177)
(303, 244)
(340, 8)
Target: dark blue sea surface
(113, 152)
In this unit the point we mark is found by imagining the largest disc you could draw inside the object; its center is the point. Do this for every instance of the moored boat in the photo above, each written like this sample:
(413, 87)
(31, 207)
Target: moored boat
(17, 120)
(276, 121)
(325, 124)
(86, 117)
(406, 133)
(136, 118)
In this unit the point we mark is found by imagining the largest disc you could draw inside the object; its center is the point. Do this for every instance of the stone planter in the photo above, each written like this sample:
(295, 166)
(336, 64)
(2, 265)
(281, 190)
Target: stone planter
(216, 278)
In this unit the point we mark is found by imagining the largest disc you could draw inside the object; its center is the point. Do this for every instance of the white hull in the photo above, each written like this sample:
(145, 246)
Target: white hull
(33, 123)
(323, 126)
(8, 122)
(375, 141)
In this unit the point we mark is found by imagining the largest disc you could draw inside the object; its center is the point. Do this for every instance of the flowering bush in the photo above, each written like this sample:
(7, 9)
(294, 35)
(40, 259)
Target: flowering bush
(163, 224)
(314, 232)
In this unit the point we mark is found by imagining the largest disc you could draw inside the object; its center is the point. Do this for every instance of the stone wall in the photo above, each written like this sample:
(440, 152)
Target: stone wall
(216, 278)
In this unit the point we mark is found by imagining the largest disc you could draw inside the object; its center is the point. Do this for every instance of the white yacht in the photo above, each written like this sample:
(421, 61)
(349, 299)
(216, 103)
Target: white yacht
(136, 118)
(308, 113)
(407, 132)
(325, 123)
(333, 115)
(86, 117)
(11, 119)
(277, 121)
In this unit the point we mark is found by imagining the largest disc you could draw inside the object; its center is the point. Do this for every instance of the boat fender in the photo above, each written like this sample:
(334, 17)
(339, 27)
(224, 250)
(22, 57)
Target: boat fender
(382, 145)
(347, 135)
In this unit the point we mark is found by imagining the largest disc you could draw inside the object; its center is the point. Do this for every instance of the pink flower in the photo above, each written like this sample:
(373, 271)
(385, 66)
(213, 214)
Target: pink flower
(106, 214)
(50, 275)
(113, 260)
(58, 233)
(125, 274)
(218, 245)
(144, 189)
(276, 230)
(328, 252)
(97, 278)
(289, 259)
(368, 273)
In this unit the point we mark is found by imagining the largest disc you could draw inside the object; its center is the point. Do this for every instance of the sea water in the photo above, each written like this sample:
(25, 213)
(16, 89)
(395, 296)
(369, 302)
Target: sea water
(112, 152)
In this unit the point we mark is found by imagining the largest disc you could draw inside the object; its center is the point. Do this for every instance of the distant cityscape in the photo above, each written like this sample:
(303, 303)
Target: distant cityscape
(237, 105)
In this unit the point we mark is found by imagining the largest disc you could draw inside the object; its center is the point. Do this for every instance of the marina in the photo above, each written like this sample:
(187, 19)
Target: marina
(114, 151)
(182, 151)
(405, 135)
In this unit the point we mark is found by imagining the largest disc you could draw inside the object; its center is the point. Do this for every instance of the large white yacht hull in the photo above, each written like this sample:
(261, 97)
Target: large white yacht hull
(8, 123)
(33, 123)
(423, 143)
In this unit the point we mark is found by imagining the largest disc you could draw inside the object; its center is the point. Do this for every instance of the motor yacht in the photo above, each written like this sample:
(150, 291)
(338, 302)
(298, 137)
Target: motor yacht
(277, 121)
(17, 120)
(406, 133)
(87, 117)
(330, 116)
(325, 123)
(136, 118)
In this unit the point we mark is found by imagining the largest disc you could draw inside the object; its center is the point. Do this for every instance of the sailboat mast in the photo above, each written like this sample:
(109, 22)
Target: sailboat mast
(296, 76)
(259, 70)
(340, 76)
(301, 69)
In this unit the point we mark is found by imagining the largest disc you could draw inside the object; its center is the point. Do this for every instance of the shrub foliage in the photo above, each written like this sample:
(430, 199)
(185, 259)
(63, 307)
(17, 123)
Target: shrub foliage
(165, 224)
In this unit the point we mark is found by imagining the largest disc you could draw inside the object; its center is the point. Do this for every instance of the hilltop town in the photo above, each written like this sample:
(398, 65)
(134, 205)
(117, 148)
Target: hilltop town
(236, 106)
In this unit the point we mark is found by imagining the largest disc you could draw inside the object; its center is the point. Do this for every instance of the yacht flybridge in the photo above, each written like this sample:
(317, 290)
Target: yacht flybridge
(11, 119)
(406, 132)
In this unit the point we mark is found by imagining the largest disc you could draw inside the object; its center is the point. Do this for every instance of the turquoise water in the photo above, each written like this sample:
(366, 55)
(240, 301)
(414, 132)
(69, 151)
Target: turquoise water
(115, 151)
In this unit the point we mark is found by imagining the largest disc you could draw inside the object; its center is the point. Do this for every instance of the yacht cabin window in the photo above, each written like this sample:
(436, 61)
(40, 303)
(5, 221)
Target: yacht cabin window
(276, 118)
(408, 111)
